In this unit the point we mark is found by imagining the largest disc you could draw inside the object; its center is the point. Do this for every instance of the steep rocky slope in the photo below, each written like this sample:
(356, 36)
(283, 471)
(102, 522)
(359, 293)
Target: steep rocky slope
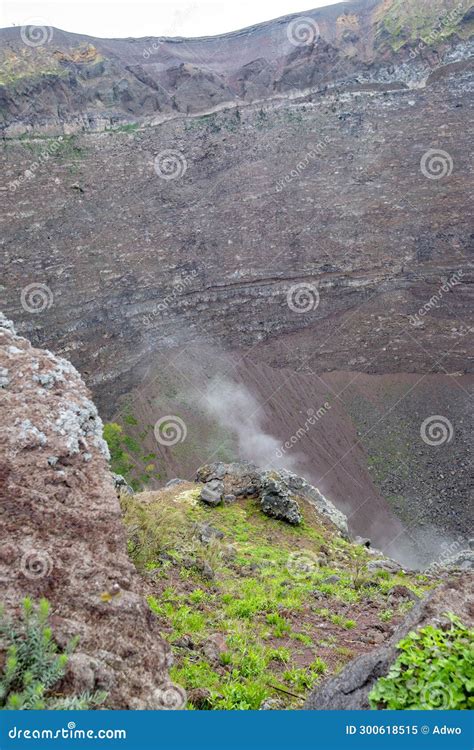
(254, 592)
(53, 80)
(62, 534)
(317, 227)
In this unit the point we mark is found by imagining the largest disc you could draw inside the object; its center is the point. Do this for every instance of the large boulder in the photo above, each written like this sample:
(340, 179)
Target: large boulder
(349, 690)
(276, 500)
(61, 530)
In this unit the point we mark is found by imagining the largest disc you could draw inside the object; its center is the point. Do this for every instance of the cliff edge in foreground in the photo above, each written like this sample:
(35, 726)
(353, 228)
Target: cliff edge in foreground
(62, 535)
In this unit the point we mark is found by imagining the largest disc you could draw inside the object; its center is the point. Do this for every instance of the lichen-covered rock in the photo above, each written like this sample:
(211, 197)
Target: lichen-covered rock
(300, 487)
(390, 566)
(61, 531)
(463, 560)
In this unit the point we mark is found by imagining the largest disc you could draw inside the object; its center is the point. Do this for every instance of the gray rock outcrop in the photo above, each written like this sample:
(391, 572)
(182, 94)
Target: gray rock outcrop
(279, 492)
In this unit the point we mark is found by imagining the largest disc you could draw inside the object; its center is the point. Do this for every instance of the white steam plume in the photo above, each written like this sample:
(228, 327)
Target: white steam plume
(235, 409)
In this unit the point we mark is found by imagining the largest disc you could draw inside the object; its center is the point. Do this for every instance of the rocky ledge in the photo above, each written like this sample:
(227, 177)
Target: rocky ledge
(278, 492)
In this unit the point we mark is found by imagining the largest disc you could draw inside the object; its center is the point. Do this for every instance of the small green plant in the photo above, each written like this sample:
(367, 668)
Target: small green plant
(434, 671)
(358, 568)
(280, 626)
(282, 655)
(302, 679)
(386, 615)
(34, 666)
(130, 419)
(241, 696)
(197, 596)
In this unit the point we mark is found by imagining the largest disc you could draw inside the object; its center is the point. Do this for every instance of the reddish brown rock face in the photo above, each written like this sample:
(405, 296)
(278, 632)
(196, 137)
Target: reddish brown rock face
(61, 532)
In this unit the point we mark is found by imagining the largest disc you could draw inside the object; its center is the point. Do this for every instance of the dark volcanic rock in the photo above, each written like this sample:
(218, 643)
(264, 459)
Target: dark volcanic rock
(207, 533)
(276, 503)
(71, 81)
(210, 496)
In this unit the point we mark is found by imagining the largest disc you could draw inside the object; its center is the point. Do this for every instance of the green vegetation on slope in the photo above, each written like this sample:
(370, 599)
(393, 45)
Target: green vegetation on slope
(261, 610)
(428, 24)
(34, 666)
(127, 456)
(435, 670)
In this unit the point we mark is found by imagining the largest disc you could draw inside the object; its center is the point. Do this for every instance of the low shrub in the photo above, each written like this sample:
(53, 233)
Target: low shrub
(434, 671)
(34, 666)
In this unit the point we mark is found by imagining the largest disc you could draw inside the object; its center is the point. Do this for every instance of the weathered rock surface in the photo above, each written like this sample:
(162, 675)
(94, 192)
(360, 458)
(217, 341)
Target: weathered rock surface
(278, 491)
(277, 502)
(349, 690)
(121, 484)
(61, 532)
